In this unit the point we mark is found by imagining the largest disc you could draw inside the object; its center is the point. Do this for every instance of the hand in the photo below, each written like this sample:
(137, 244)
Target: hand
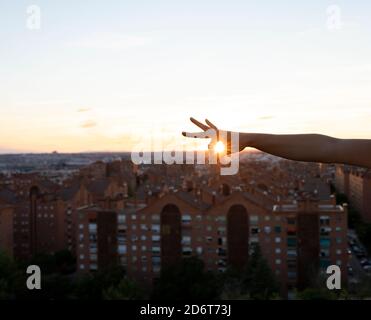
(210, 131)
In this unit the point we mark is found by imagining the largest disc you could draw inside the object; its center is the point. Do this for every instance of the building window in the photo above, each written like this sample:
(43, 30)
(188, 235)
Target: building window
(278, 261)
(254, 219)
(338, 251)
(156, 238)
(277, 239)
(186, 218)
(156, 217)
(134, 217)
(134, 248)
(156, 228)
(186, 240)
(278, 250)
(122, 249)
(121, 218)
(277, 229)
(267, 229)
(82, 266)
(324, 220)
(144, 248)
(82, 256)
(187, 251)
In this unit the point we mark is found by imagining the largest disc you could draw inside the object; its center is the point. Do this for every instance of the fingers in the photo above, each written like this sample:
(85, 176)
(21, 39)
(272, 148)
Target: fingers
(199, 124)
(203, 135)
(211, 125)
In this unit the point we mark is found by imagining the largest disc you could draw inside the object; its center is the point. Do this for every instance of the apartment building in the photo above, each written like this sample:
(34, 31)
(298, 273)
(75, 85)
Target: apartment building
(295, 238)
(96, 235)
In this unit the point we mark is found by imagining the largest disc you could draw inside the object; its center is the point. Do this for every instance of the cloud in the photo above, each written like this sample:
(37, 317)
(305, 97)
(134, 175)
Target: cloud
(89, 124)
(83, 109)
(108, 40)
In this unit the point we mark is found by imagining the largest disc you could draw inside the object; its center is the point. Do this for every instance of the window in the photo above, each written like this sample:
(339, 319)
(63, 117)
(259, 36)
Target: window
(255, 230)
(278, 261)
(277, 239)
(143, 238)
(82, 256)
(277, 229)
(254, 219)
(156, 228)
(186, 218)
(134, 217)
(121, 218)
(92, 227)
(156, 238)
(93, 257)
(324, 220)
(291, 242)
(267, 218)
(134, 248)
(338, 251)
(186, 240)
(278, 250)
(144, 248)
(199, 250)
(82, 266)
(122, 249)
(155, 250)
(291, 253)
(267, 229)
(187, 251)
(324, 242)
(81, 226)
(291, 221)
(156, 217)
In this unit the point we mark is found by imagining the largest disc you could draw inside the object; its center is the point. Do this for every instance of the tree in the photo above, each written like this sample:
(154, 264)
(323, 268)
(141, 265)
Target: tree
(316, 294)
(8, 275)
(125, 290)
(259, 280)
(186, 280)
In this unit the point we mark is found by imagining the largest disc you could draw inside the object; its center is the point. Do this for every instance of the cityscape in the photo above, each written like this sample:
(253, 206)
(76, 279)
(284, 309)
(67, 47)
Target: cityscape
(149, 222)
(185, 153)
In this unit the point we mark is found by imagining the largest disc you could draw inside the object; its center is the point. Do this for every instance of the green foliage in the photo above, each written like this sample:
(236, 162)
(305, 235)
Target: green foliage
(316, 294)
(125, 290)
(8, 274)
(256, 282)
(92, 285)
(187, 279)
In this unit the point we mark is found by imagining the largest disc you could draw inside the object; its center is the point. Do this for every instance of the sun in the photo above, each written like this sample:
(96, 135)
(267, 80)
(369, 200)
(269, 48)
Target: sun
(219, 147)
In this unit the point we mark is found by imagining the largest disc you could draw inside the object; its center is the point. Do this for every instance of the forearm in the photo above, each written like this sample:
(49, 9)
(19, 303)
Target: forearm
(312, 148)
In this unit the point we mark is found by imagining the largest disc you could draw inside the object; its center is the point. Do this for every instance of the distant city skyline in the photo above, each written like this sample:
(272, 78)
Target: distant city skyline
(102, 76)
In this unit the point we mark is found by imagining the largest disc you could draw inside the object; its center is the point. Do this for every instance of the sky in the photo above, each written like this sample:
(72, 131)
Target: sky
(112, 75)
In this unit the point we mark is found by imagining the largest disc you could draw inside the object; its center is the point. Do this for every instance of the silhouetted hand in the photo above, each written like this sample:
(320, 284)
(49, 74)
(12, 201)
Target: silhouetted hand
(210, 131)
